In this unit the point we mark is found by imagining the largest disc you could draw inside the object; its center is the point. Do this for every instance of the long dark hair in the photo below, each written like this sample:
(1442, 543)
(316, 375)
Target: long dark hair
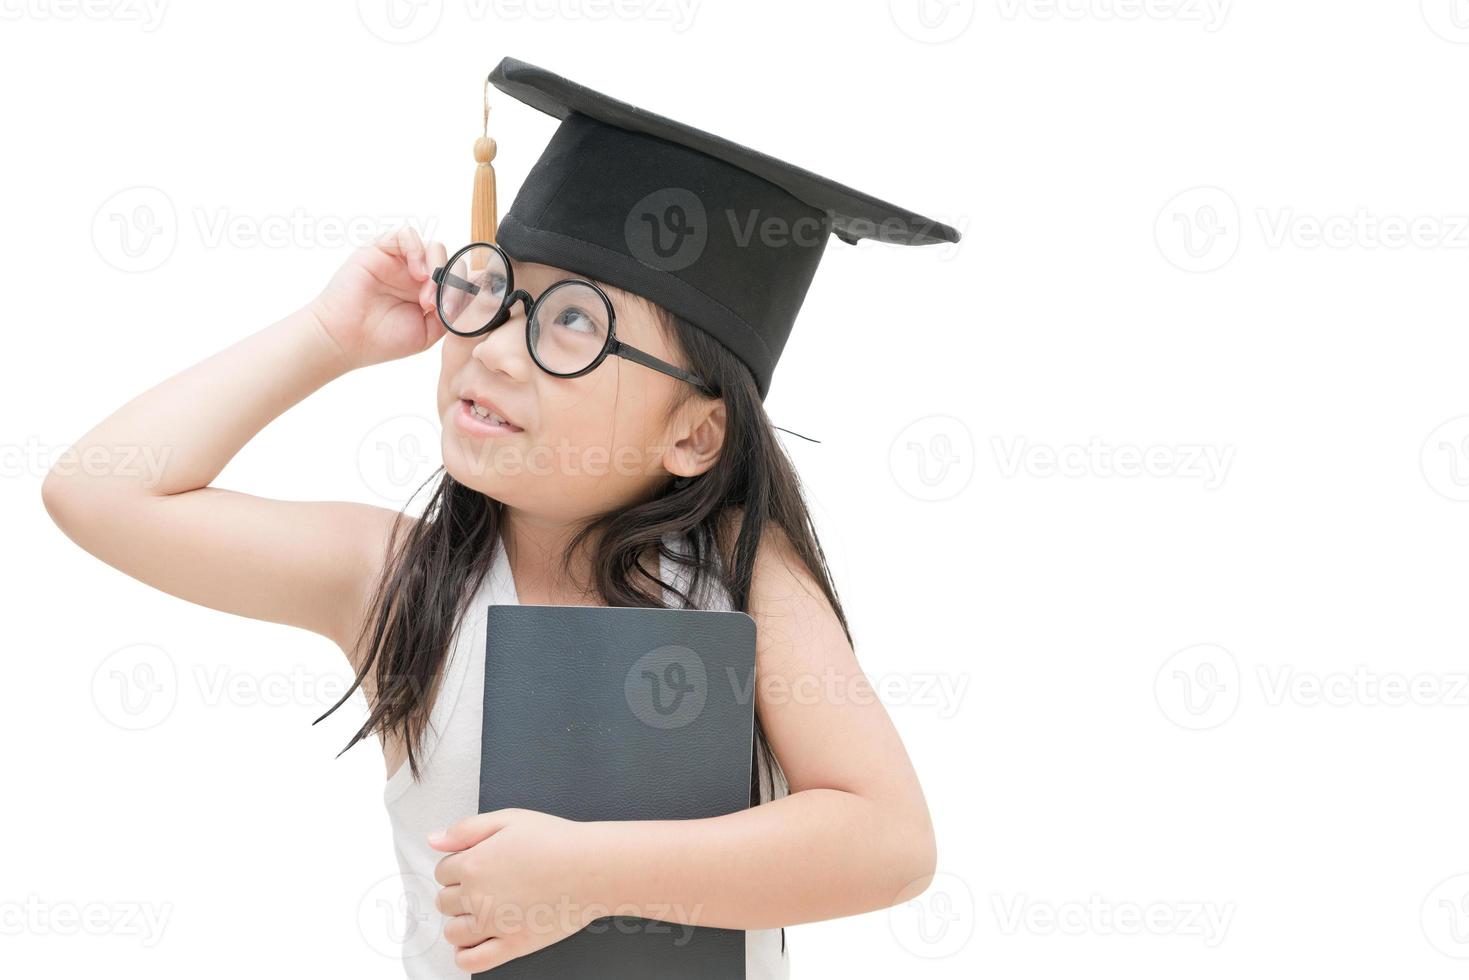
(435, 564)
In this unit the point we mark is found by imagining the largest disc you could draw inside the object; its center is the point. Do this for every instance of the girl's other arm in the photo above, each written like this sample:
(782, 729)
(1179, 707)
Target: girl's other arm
(134, 490)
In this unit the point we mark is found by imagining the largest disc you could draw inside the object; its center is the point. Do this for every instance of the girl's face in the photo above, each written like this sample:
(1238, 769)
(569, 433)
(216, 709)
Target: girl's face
(575, 447)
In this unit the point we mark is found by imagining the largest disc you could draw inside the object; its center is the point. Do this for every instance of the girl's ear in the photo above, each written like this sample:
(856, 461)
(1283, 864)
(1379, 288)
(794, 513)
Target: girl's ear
(698, 437)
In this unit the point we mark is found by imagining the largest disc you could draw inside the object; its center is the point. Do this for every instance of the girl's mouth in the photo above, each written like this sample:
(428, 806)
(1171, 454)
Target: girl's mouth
(475, 421)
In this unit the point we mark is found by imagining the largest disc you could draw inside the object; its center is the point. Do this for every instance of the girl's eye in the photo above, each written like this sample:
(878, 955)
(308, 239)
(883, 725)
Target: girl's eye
(495, 284)
(574, 318)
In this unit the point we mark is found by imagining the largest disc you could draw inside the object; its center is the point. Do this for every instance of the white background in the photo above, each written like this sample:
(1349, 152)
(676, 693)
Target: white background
(1162, 472)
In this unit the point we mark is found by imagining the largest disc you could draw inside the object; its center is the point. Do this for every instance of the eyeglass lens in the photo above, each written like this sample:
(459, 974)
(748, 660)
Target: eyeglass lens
(567, 329)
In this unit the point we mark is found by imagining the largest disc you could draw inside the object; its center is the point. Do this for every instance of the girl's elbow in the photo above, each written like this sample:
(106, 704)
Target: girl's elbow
(922, 860)
(912, 862)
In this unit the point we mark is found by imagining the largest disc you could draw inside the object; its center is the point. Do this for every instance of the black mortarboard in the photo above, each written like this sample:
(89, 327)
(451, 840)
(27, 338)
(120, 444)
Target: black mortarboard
(725, 237)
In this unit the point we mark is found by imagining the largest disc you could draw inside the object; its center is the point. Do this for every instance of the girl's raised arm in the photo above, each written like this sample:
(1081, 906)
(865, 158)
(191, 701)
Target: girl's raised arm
(306, 564)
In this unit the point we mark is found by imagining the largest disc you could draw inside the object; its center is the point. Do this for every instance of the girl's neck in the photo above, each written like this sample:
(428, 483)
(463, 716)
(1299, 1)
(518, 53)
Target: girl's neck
(534, 548)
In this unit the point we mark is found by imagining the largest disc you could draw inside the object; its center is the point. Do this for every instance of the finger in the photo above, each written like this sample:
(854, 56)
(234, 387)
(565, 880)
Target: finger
(437, 253)
(385, 263)
(471, 830)
(466, 930)
(418, 263)
(437, 258)
(449, 870)
(433, 328)
(486, 956)
(404, 243)
(450, 900)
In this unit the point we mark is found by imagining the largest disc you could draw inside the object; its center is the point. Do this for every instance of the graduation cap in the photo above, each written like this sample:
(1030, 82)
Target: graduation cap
(724, 236)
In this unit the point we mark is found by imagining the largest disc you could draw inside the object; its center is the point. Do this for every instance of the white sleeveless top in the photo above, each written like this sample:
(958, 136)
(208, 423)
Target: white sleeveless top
(448, 789)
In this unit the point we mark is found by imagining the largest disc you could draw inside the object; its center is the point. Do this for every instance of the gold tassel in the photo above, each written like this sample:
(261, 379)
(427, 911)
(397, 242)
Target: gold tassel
(483, 218)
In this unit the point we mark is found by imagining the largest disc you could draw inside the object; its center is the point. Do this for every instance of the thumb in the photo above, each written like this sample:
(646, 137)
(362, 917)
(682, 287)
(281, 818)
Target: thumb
(470, 831)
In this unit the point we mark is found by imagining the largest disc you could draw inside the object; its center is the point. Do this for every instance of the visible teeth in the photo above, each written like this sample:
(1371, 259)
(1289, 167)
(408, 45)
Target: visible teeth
(488, 415)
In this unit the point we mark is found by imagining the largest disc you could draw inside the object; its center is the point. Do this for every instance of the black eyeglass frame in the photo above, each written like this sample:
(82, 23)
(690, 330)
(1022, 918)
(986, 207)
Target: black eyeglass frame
(612, 346)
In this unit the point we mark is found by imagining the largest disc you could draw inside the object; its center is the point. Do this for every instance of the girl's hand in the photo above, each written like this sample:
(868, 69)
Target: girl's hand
(380, 304)
(518, 881)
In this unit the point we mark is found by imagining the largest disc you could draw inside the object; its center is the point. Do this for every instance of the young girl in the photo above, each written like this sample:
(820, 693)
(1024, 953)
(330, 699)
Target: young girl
(652, 479)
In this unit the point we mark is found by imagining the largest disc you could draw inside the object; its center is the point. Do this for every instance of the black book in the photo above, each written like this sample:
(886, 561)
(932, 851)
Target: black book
(620, 713)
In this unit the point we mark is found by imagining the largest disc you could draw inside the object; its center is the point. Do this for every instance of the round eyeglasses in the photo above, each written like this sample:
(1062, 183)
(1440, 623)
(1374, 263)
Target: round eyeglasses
(569, 329)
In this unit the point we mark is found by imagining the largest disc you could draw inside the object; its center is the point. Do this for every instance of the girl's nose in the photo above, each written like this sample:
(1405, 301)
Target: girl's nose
(503, 348)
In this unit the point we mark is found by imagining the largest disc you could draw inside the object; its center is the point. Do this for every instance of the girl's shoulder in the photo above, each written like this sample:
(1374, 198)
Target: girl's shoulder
(782, 584)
